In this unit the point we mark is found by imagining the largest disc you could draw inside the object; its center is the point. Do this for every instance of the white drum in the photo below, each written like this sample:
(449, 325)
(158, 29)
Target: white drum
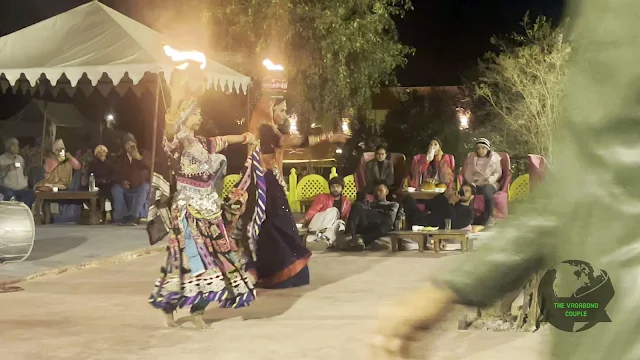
(17, 231)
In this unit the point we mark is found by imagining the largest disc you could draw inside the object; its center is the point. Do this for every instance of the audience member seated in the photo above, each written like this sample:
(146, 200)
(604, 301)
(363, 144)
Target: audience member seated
(327, 215)
(434, 167)
(58, 169)
(371, 220)
(131, 176)
(13, 182)
(379, 171)
(102, 171)
(483, 170)
(450, 205)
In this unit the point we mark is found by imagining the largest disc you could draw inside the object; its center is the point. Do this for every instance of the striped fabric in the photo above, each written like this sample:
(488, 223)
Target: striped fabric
(253, 170)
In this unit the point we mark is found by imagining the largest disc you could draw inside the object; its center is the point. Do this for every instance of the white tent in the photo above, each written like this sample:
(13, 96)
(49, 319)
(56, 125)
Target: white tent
(60, 114)
(79, 47)
(29, 122)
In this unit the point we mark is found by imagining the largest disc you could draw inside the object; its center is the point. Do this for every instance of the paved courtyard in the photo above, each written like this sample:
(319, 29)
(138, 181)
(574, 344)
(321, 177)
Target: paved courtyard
(100, 312)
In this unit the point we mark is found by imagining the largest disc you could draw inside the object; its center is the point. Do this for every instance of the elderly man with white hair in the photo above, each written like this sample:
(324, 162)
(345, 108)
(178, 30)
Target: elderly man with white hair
(13, 182)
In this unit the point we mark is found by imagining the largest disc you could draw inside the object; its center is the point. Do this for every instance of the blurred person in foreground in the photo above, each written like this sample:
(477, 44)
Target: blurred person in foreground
(591, 222)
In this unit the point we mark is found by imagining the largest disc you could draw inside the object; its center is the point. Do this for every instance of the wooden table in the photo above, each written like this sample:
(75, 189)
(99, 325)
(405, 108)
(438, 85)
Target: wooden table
(418, 236)
(41, 196)
(421, 195)
(460, 235)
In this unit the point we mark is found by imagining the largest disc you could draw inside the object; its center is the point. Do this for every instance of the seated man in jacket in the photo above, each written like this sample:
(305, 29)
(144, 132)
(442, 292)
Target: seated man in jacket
(379, 171)
(456, 206)
(13, 182)
(371, 220)
(131, 175)
(328, 213)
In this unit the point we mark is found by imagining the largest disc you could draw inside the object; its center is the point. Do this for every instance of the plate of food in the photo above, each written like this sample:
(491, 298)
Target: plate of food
(430, 228)
(431, 187)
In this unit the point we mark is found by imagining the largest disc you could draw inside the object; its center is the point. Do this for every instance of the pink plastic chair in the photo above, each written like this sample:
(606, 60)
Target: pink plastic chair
(501, 198)
(537, 169)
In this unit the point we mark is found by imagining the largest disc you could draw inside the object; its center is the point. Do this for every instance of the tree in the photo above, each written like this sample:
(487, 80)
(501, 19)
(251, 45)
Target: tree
(336, 53)
(419, 118)
(523, 84)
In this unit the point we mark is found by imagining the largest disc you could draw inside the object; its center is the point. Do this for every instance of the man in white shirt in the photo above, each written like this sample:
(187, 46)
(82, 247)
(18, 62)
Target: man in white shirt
(13, 182)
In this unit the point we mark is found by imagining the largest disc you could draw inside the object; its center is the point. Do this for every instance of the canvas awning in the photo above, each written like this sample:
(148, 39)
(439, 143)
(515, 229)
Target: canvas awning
(29, 121)
(94, 46)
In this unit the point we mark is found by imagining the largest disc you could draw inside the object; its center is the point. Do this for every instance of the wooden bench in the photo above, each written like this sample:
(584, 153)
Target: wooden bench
(41, 196)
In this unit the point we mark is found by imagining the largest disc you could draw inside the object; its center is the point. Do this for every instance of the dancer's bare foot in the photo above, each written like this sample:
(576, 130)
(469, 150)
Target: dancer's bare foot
(198, 321)
(170, 321)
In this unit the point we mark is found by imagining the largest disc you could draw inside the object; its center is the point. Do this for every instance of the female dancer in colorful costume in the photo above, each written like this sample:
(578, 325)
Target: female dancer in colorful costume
(281, 255)
(204, 264)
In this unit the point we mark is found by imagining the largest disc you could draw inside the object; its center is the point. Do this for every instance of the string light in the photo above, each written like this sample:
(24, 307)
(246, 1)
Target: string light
(463, 118)
(293, 124)
(345, 126)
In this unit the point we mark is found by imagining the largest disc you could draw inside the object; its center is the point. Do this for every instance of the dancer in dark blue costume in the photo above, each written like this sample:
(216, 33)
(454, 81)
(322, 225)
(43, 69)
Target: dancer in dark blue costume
(281, 255)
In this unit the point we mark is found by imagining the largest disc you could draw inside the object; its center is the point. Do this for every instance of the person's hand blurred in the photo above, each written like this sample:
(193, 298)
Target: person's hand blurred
(8, 167)
(126, 184)
(401, 323)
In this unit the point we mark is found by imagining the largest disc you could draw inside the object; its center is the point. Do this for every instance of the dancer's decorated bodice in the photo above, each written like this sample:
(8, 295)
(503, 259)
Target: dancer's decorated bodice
(199, 169)
(269, 144)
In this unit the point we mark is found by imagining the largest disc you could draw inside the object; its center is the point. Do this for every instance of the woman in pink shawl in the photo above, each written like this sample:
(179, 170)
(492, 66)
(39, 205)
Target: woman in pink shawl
(434, 167)
(483, 170)
(58, 168)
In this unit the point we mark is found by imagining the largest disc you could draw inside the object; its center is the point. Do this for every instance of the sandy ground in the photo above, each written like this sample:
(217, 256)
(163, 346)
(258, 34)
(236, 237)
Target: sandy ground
(102, 313)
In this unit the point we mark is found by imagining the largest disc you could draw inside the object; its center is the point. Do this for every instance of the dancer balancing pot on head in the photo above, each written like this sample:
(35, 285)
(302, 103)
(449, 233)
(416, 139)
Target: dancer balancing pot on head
(203, 264)
(281, 257)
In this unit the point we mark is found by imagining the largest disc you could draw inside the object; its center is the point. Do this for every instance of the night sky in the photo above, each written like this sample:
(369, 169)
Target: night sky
(449, 35)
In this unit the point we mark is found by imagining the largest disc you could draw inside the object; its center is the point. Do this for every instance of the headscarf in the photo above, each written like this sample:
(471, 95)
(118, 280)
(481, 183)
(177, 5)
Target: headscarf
(9, 142)
(57, 146)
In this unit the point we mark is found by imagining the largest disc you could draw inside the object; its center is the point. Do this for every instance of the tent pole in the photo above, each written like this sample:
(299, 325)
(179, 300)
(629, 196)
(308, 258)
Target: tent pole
(155, 131)
(44, 132)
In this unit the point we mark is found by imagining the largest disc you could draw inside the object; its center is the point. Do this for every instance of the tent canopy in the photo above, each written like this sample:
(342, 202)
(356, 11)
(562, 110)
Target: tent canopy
(66, 115)
(91, 40)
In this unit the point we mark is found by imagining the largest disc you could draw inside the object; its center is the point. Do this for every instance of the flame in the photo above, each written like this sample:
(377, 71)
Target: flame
(271, 66)
(179, 56)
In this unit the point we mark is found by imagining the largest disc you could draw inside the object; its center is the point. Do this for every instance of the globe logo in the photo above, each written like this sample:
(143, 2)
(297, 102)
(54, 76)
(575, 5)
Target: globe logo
(573, 296)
